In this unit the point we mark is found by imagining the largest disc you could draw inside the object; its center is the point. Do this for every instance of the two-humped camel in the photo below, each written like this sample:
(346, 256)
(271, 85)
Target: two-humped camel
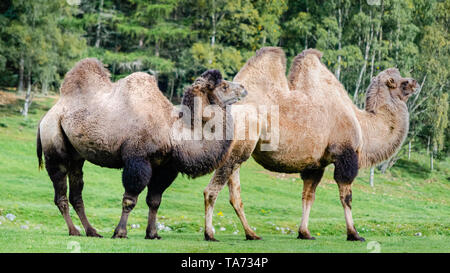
(318, 125)
(128, 124)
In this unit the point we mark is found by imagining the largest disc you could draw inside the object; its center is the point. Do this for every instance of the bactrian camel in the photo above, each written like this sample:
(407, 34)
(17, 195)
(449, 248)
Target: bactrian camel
(318, 126)
(127, 124)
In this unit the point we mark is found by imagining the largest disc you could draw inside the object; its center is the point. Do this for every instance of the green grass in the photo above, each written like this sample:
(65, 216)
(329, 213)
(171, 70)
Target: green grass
(407, 200)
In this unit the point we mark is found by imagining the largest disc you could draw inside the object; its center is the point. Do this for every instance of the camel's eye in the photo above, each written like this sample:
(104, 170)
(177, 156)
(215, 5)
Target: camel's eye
(404, 84)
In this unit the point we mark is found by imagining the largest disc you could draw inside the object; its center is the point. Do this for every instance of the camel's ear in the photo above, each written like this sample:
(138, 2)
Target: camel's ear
(211, 78)
(391, 83)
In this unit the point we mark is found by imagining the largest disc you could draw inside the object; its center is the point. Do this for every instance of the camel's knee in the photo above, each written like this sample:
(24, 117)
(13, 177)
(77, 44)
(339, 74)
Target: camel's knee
(153, 201)
(346, 199)
(308, 196)
(128, 203)
(75, 199)
(236, 203)
(210, 195)
(346, 166)
(136, 175)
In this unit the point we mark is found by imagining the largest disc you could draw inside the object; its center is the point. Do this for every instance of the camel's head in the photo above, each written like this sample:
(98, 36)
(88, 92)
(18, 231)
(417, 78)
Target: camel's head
(217, 90)
(389, 86)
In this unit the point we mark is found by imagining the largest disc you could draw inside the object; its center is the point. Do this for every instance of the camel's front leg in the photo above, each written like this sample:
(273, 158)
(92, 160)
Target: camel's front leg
(218, 181)
(234, 186)
(135, 177)
(221, 176)
(311, 179)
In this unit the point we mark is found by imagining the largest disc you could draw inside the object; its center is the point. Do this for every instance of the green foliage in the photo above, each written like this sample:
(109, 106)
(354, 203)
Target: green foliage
(177, 40)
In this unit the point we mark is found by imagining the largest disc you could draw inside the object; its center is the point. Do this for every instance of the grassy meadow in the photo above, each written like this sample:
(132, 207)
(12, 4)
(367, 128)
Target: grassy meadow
(408, 210)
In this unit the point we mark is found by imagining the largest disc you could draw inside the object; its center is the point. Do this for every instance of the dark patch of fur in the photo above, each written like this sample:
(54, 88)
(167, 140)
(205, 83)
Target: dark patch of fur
(213, 77)
(346, 166)
(312, 174)
(136, 175)
(348, 200)
(199, 163)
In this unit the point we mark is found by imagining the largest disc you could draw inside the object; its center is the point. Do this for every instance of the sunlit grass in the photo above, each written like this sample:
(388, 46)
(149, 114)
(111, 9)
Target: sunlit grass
(408, 210)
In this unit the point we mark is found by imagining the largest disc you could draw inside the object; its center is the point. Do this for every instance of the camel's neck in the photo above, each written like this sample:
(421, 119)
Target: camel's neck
(383, 133)
(199, 153)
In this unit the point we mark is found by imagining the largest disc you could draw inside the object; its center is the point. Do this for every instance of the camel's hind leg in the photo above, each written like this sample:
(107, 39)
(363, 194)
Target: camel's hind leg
(135, 177)
(57, 170)
(311, 179)
(76, 184)
(234, 186)
(345, 171)
(161, 179)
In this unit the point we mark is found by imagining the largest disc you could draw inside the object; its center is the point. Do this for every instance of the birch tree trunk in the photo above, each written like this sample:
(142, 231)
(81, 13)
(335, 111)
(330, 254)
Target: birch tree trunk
(28, 96)
(431, 161)
(21, 70)
(363, 68)
(213, 19)
(409, 150)
(99, 25)
(338, 70)
(372, 174)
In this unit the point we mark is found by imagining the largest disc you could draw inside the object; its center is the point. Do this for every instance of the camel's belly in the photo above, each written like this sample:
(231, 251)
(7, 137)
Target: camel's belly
(101, 155)
(97, 145)
(272, 162)
(291, 157)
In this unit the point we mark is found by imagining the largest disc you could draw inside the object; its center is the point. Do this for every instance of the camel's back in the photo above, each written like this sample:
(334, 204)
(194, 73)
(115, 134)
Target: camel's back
(132, 111)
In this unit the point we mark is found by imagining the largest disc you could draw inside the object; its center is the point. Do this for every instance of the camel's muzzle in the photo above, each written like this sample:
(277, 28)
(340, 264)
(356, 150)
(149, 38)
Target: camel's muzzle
(409, 87)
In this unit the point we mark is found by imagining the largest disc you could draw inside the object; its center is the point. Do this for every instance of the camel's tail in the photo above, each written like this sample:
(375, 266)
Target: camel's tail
(87, 74)
(39, 147)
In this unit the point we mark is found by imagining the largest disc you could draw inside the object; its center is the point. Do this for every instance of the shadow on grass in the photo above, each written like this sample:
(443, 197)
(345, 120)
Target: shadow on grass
(412, 168)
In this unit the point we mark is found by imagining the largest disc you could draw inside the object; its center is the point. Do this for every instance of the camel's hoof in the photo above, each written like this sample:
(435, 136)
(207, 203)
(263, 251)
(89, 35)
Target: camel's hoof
(210, 238)
(153, 237)
(252, 237)
(120, 234)
(93, 233)
(74, 233)
(305, 237)
(352, 237)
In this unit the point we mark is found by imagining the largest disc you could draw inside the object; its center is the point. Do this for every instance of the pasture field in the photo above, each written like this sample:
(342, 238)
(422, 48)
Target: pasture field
(408, 210)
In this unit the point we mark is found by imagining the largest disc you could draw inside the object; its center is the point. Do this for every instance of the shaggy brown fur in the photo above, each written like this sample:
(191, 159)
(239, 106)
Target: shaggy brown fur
(318, 126)
(128, 124)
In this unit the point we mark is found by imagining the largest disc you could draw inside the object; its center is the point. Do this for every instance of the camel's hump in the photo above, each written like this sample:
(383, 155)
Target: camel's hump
(269, 52)
(139, 83)
(310, 51)
(87, 74)
(307, 59)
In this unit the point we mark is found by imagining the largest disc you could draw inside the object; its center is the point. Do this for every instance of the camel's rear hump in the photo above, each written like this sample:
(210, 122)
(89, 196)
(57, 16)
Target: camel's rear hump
(88, 74)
